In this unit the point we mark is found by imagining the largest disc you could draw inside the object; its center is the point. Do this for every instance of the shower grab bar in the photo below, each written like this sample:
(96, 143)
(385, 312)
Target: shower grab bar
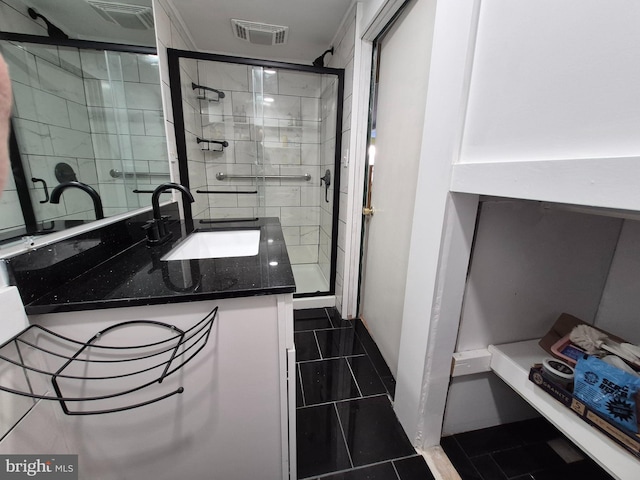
(118, 174)
(226, 192)
(208, 89)
(306, 177)
(223, 144)
(46, 189)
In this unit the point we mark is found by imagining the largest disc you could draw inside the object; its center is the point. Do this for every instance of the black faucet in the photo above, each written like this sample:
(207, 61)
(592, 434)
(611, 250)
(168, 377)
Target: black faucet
(157, 232)
(97, 203)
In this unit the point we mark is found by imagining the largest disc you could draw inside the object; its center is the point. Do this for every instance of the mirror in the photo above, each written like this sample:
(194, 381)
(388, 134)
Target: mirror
(84, 111)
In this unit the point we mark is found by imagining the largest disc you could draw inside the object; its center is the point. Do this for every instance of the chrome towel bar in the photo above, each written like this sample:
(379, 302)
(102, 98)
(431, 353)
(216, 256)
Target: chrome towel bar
(118, 174)
(306, 177)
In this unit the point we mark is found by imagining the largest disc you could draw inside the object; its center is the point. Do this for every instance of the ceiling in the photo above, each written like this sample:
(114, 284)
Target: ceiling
(312, 25)
(79, 20)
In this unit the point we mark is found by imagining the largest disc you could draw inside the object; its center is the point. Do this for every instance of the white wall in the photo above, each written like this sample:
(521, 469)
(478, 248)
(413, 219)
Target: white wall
(553, 82)
(620, 304)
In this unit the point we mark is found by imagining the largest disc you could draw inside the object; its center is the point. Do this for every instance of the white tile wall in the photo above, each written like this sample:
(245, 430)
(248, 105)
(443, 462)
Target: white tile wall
(54, 123)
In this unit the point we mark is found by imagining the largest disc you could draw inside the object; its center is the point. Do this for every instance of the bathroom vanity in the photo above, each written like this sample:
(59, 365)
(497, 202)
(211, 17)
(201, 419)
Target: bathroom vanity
(235, 418)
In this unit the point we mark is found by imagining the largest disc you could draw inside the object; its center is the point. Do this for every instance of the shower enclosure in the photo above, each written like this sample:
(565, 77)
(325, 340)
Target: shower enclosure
(258, 139)
(84, 111)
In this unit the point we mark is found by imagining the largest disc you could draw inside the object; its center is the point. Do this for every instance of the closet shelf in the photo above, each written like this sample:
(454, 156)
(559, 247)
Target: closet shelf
(593, 182)
(93, 371)
(512, 362)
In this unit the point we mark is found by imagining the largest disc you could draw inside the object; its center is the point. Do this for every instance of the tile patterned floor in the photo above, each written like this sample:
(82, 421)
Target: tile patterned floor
(347, 429)
(525, 450)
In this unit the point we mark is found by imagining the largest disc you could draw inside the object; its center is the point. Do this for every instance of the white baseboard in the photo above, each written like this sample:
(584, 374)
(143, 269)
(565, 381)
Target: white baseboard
(314, 302)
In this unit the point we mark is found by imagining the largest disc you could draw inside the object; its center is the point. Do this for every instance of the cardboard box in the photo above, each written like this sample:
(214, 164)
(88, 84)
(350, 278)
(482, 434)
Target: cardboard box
(541, 379)
(627, 439)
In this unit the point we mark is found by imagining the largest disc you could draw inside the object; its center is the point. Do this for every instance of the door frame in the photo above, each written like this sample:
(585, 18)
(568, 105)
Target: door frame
(444, 221)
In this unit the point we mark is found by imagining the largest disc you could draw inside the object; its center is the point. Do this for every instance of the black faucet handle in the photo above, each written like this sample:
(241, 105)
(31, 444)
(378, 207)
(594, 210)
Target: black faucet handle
(157, 232)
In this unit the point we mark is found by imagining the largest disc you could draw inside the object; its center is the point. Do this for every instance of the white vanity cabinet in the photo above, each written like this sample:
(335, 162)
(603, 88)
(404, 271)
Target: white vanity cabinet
(234, 420)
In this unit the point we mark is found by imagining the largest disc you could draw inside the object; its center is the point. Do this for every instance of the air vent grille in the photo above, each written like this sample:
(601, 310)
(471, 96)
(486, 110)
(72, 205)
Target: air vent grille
(128, 16)
(260, 33)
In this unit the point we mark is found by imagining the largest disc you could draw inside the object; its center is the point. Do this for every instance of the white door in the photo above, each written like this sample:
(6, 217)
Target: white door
(403, 60)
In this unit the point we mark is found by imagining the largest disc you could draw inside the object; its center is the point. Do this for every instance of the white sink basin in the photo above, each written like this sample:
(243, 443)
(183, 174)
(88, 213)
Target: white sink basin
(219, 244)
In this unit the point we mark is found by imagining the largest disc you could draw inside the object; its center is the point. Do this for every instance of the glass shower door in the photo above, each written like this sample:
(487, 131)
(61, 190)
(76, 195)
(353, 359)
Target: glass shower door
(262, 138)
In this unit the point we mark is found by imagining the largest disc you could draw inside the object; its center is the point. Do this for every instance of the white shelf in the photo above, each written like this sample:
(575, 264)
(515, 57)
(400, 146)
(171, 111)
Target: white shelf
(597, 182)
(512, 361)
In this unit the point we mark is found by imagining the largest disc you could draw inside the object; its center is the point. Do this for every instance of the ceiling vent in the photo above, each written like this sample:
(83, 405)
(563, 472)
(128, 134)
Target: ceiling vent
(259, 33)
(127, 16)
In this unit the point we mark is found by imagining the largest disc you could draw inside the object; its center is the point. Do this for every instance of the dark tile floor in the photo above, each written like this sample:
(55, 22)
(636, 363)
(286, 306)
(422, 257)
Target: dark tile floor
(528, 450)
(347, 429)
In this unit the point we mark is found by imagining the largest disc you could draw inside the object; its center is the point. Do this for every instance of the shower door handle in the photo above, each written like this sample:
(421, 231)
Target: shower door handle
(327, 181)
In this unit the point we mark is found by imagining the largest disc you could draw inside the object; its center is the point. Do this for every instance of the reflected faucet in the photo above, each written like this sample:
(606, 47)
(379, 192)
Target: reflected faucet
(97, 203)
(157, 232)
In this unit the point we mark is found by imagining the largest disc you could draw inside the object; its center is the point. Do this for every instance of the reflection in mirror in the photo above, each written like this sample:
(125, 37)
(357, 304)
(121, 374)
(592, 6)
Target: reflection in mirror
(83, 111)
(93, 116)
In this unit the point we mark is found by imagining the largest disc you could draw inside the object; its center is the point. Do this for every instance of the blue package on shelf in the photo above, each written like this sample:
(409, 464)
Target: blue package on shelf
(607, 390)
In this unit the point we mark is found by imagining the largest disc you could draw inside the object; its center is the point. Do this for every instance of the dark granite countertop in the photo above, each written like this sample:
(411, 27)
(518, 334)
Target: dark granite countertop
(136, 275)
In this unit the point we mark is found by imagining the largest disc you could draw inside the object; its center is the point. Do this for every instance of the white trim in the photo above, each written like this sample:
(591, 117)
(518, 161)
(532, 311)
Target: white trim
(382, 17)
(601, 182)
(181, 25)
(314, 302)
(442, 235)
(356, 171)
(345, 21)
(471, 362)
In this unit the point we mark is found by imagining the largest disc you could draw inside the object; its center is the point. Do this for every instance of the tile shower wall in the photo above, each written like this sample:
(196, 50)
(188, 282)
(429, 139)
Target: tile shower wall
(343, 57)
(124, 105)
(95, 113)
(51, 123)
(281, 136)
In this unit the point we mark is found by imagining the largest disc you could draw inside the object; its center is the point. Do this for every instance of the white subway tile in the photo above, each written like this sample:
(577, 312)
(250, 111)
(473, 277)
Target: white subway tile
(301, 84)
(285, 108)
(303, 254)
(309, 235)
(276, 154)
(153, 123)
(310, 109)
(78, 116)
(70, 60)
(57, 81)
(299, 216)
(106, 146)
(291, 235)
(71, 143)
(11, 212)
(33, 137)
(284, 196)
(87, 170)
(149, 148)
(223, 76)
(142, 96)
